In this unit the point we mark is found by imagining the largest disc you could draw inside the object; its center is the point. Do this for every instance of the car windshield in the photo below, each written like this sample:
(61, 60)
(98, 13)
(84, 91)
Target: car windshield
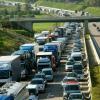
(76, 96)
(78, 71)
(47, 72)
(71, 87)
(66, 80)
(39, 76)
(77, 58)
(69, 63)
(71, 75)
(79, 67)
(36, 82)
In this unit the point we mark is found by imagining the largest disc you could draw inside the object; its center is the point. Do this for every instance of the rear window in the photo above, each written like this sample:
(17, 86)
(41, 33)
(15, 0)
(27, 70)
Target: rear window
(71, 87)
(47, 72)
(36, 82)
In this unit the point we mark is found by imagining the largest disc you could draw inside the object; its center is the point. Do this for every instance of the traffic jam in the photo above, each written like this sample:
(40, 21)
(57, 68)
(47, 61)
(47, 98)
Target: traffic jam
(38, 64)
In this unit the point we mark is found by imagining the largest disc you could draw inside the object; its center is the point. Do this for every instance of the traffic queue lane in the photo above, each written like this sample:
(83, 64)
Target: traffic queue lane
(54, 90)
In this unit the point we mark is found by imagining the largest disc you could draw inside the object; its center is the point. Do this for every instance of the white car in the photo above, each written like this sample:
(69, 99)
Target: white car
(49, 73)
(69, 66)
(39, 82)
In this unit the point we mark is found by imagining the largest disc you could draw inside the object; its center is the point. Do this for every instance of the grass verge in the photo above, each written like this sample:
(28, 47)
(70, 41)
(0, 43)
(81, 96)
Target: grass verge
(95, 77)
(10, 41)
(38, 27)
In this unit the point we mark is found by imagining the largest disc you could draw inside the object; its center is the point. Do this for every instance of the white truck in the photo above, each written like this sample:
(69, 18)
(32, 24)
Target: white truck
(11, 88)
(10, 69)
(45, 60)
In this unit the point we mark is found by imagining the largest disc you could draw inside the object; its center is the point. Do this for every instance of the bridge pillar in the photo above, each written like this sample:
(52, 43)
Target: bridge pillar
(27, 26)
(85, 26)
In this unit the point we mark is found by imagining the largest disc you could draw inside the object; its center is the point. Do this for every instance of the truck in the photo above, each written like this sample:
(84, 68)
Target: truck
(10, 68)
(11, 89)
(25, 65)
(46, 59)
(51, 47)
(32, 48)
(58, 43)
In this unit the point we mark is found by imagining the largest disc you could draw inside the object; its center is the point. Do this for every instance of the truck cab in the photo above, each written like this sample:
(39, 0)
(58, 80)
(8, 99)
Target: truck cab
(10, 68)
(48, 55)
(24, 58)
(32, 48)
(33, 91)
(43, 63)
(51, 47)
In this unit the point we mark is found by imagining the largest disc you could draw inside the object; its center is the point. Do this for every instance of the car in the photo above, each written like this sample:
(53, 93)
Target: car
(76, 96)
(80, 74)
(69, 66)
(41, 75)
(78, 66)
(40, 83)
(66, 80)
(71, 60)
(70, 88)
(49, 73)
(77, 56)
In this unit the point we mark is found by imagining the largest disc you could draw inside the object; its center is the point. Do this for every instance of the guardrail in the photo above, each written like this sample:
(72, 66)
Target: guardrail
(95, 49)
(88, 71)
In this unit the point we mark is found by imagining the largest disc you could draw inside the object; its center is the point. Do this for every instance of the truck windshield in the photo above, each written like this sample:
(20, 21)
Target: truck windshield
(4, 70)
(4, 74)
(40, 67)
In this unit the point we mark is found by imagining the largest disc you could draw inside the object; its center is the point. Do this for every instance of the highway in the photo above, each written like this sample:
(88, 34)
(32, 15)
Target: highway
(54, 90)
(95, 35)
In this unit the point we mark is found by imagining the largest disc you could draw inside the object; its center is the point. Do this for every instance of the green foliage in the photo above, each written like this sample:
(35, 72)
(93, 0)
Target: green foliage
(63, 5)
(93, 10)
(11, 40)
(38, 27)
(95, 77)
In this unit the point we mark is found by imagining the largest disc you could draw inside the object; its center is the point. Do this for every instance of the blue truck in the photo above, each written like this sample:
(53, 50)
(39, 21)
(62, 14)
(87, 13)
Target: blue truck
(32, 48)
(51, 47)
(5, 97)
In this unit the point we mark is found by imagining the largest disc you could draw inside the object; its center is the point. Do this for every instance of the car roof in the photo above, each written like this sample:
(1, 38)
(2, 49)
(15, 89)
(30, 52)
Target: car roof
(44, 53)
(37, 79)
(8, 58)
(42, 37)
(29, 44)
(76, 93)
(31, 86)
(47, 69)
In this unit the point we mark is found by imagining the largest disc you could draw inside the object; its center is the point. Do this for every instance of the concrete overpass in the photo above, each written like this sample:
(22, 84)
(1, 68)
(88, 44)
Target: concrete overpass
(27, 23)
